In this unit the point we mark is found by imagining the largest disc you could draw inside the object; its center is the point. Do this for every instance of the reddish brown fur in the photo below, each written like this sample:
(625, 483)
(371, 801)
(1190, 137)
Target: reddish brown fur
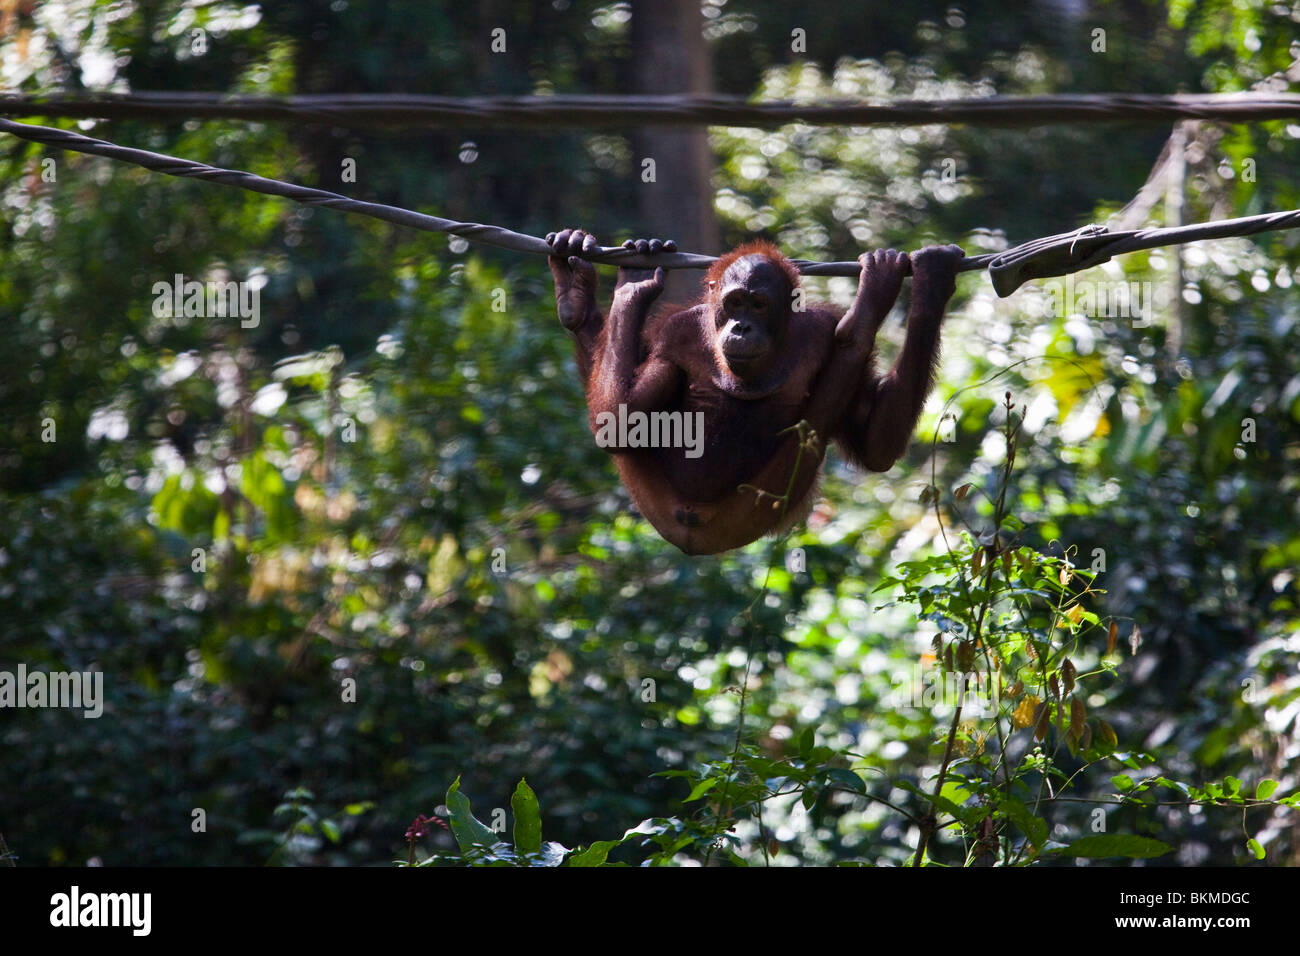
(758, 247)
(820, 371)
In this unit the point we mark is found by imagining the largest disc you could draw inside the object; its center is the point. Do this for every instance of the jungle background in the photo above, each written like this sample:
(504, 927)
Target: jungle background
(392, 482)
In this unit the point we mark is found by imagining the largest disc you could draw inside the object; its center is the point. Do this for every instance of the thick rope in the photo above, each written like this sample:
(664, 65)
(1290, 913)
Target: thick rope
(685, 109)
(1052, 256)
(492, 235)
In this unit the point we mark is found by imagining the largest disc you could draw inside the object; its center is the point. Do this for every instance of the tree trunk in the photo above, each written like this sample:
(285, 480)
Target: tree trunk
(670, 55)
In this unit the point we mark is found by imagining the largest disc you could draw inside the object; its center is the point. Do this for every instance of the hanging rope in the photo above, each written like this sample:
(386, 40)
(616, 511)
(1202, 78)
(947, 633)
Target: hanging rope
(684, 109)
(1041, 258)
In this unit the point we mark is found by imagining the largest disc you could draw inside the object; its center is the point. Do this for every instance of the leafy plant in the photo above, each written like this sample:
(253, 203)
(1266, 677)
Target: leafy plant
(1019, 663)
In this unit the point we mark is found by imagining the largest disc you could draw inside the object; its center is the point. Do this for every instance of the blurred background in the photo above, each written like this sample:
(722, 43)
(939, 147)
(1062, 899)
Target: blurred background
(388, 481)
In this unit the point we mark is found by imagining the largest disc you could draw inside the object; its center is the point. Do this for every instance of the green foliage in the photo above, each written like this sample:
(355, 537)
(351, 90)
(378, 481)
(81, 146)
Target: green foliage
(305, 828)
(479, 845)
(1017, 654)
(369, 544)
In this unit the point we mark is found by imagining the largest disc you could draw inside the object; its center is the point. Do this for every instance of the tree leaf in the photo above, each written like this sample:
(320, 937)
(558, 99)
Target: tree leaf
(807, 739)
(552, 854)
(1068, 673)
(1026, 711)
(701, 788)
(1078, 713)
(1035, 828)
(468, 831)
(528, 819)
(1043, 722)
(595, 854)
(847, 779)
